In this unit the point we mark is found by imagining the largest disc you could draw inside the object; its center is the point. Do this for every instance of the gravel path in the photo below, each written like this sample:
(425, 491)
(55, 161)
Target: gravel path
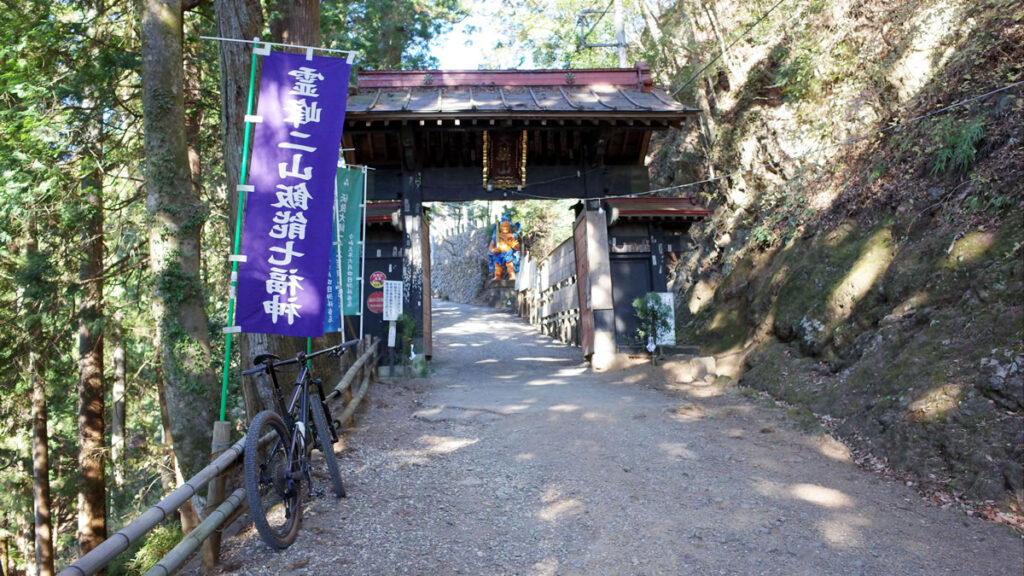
(516, 458)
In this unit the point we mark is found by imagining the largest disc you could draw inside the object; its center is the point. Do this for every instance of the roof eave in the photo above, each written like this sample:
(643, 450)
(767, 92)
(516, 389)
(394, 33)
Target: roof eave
(671, 118)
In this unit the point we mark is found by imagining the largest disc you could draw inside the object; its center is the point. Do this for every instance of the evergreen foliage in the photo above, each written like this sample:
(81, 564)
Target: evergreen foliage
(654, 317)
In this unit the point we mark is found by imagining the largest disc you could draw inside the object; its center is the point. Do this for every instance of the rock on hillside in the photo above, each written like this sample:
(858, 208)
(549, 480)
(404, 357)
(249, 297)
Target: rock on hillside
(876, 282)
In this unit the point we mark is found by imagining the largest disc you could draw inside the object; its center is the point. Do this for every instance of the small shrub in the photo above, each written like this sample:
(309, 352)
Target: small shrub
(405, 331)
(159, 542)
(654, 316)
(958, 148)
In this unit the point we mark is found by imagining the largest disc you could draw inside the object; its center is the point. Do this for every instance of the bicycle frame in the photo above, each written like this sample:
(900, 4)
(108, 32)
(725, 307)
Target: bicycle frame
(297, 420)
(273, 480)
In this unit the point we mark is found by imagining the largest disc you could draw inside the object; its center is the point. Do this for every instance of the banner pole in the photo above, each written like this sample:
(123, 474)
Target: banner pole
(243, 175)
(362, 257)
(337, 258)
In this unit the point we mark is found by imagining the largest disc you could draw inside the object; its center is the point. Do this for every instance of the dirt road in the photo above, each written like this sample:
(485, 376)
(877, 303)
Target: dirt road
(515, 458)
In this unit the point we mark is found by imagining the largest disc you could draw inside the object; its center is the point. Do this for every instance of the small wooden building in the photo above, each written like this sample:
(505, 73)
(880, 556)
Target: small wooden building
(501, 134)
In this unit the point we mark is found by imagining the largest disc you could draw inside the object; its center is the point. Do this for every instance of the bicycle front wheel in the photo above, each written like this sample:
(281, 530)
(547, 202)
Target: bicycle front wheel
(323, 442)
(273, 484)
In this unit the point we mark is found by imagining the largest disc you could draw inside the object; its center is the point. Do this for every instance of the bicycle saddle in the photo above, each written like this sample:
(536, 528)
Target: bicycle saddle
(264, 359)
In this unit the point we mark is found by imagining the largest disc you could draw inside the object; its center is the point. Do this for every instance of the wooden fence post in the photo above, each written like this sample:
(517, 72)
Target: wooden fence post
(348, 391)
(215, 494)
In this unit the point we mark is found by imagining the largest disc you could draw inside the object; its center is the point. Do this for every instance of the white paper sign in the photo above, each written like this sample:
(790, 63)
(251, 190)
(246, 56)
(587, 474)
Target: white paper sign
(392, 300)
(669, 337)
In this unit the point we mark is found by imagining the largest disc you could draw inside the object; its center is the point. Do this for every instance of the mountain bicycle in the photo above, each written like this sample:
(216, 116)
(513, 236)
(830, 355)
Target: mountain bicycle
(278, 447)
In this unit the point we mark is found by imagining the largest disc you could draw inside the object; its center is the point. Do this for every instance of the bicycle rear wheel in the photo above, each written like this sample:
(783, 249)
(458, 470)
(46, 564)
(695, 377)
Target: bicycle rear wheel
(273, 484)
(323, 442)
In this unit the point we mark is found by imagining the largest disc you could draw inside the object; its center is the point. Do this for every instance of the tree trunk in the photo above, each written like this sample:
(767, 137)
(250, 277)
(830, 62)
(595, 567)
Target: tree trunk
(177, 217)
(167, 475)
(730, 66)
(705, 122)
(92, 495)
(171, 474)
(297, 22)
(118, 429)
(244, 19)
(40, 444)
(239, 19)
(41, 473)
(193, 118)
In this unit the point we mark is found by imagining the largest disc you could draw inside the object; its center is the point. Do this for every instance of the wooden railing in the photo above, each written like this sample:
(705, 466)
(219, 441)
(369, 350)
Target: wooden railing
(551, 295)
(221, 511)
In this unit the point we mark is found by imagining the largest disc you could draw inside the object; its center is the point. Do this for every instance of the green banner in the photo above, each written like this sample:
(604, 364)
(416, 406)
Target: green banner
(349, 222)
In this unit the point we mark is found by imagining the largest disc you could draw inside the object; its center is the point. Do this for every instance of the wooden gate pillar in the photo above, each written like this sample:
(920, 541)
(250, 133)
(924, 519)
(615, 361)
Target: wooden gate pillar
(594, 286)
(416, 263)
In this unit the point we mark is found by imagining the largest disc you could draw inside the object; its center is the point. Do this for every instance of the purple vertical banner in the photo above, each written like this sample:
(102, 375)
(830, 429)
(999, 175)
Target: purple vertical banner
(286, 235)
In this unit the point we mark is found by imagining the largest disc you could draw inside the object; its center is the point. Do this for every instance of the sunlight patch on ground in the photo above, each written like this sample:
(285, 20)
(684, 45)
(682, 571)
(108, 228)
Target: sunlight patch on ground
(546, 382)
(597, 417)
(514, 408)
(546, 567)
(427, 412)
(558, 507)
(434, 446)
(699, 389)
(831, 448)
(525, 457)
(539, 359)
(564, 408)
(843, 530)
(971, 248)
(572, 371)
(936, 403)
(914, 301)
(677, 451)
(825, 497)
(811, 493)
(445, 444)
(873, 262)
(559, 510)
(487, 361)
(634, 378)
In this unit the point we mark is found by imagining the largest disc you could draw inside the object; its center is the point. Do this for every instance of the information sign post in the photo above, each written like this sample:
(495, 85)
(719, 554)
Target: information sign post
(392, 309)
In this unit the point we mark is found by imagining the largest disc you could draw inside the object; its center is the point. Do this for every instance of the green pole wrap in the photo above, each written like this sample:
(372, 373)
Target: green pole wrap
(243, 175)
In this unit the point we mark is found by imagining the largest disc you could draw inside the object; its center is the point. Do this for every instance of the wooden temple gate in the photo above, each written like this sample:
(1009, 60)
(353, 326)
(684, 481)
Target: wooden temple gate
(457, 136)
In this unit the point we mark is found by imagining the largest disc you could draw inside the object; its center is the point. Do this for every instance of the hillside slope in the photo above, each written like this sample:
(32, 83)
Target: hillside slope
(866, 251)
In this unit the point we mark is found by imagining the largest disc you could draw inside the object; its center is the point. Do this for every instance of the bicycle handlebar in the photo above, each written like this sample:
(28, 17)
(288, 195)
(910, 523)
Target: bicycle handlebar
(300, 357)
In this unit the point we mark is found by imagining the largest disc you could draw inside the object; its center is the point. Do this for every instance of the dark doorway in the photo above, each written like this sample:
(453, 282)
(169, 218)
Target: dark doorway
(631, 279)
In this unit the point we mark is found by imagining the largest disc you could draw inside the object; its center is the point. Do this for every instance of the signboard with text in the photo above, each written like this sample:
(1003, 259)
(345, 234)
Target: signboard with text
(286, 235)
(392, 300)
(343, 294)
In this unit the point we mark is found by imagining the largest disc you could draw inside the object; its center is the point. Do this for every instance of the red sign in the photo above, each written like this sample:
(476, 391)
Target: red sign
(375, 303)
(377, 279)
